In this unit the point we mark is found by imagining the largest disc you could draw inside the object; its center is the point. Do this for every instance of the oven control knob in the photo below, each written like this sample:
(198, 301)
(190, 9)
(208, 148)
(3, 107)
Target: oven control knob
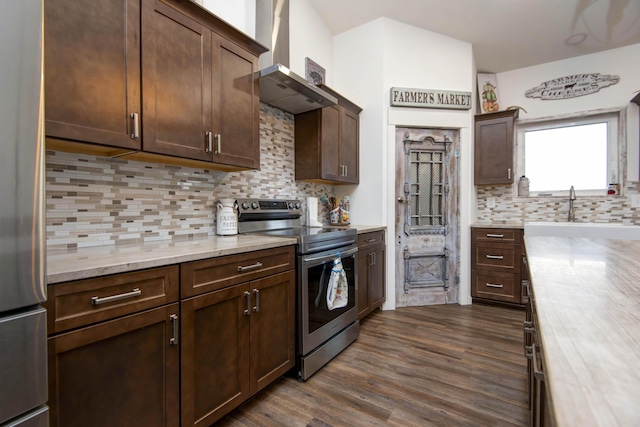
(254, 205)
(297, 205)
(245, 205)
(290, 205)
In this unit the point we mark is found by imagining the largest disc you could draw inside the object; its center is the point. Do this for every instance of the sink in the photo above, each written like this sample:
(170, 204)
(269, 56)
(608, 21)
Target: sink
(579, 229)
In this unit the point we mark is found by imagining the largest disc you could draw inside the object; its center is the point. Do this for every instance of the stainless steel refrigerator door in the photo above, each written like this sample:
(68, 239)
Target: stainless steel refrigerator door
(23, 362)
(21, 163)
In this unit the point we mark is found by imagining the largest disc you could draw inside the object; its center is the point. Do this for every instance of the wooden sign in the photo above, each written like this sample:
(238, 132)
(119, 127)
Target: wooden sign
(572, 86)
(429, 98)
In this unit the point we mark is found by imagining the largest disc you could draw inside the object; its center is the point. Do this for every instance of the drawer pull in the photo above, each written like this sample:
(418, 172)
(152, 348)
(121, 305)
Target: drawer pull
(496, 236)
(528, 330)
(174, 320)
(249, 267)
(370, 240)
(495, 256)
(537, 372)
(491, 285)
(134, 293)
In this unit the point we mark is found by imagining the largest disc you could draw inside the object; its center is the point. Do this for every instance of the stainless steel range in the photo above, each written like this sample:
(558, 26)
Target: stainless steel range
(322, 332)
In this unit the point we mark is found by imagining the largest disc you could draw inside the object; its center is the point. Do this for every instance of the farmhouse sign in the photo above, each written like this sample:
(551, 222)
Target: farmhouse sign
(572, 86)
(429, 98)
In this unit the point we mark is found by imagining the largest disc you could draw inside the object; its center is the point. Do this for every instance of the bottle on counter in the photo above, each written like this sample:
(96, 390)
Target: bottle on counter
(523, 186)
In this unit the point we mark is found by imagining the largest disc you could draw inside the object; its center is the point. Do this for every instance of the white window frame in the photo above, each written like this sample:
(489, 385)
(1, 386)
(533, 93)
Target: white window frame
(616, 145)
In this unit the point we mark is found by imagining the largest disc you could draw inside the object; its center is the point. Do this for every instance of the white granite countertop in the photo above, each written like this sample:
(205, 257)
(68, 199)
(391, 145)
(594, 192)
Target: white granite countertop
(587, 296)
(74, 264)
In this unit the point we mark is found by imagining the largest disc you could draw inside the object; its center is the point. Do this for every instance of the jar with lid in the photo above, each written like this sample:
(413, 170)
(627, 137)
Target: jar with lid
(227, 218)
(523, 186)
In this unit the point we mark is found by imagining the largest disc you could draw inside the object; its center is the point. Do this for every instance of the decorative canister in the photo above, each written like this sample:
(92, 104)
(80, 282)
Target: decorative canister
(227, 219)
(523, 186)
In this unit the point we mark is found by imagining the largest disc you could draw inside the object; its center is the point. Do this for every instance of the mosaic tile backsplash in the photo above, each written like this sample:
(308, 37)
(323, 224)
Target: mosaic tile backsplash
(510, 209)
(93, 201)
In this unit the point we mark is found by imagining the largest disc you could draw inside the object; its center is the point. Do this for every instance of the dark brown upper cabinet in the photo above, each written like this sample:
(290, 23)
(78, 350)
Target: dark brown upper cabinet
(494, 141)
(171, 83)
(327, 143)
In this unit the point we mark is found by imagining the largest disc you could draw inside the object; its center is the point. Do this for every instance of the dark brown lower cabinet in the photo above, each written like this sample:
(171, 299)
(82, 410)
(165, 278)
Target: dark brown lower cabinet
(235, 341)
(123, 372)
(371, 272)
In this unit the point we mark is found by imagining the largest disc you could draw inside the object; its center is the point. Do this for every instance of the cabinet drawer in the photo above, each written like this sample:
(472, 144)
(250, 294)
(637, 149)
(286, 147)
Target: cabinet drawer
(370, 239)
(198, 277)
(496, 256)
(83, 302)
(507, 235)
(495, 286)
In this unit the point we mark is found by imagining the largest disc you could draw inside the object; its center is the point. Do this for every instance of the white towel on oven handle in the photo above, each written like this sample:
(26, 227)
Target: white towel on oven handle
(337, 288)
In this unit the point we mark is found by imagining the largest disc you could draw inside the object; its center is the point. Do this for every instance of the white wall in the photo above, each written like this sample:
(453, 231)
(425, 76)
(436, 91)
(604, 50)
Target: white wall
(309, 37)
(239, 13)
(368, 61)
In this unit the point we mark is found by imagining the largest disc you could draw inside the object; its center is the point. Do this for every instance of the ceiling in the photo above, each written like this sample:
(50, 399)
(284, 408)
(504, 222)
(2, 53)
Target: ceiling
(505, 34)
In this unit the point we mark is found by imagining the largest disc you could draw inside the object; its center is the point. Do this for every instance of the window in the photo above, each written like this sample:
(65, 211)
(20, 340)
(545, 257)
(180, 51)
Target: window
(582, 152)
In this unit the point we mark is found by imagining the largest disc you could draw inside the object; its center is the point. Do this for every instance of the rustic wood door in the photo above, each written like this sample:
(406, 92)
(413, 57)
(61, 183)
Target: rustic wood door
(92, 78)
(122, 372)
(235, 104)
(272, 328)
(427, 217)
(176, 66)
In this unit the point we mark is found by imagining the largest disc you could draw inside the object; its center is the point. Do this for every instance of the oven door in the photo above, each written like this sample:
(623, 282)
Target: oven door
(316, 323)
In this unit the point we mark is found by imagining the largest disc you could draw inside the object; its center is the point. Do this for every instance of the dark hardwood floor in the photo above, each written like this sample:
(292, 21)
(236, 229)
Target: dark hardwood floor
(421, 366)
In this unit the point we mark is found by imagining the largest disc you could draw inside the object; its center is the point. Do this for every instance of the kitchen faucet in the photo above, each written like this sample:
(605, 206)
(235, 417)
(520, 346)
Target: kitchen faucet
(572, 209)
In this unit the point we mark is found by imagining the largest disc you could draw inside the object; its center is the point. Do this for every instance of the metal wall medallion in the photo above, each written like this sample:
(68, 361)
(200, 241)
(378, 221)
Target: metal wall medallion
(572, 86)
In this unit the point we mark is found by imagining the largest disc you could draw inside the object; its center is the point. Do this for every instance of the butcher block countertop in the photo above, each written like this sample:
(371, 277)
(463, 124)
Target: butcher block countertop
(587, 297)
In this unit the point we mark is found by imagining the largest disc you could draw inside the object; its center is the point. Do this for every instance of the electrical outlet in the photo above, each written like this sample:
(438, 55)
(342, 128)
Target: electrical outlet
(635, 201)
(491, 202)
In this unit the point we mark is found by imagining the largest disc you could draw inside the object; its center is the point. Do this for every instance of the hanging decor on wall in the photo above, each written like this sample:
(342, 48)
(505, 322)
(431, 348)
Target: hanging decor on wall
(488, 92)
(430, 98)
(314, 72)
(572, 86)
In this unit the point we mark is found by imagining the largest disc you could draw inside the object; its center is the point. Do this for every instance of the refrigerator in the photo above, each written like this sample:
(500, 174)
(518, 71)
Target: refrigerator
(23, 338)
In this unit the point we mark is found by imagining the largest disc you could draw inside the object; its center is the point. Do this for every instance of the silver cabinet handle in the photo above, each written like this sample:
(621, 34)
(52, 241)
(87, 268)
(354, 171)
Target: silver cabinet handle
(491, 285)
(346, 170)
(174, 320)
(370, 240)
(495, 256)
(537, 372)
(134, 293)
(496, 236)
(256, 308)
(247, 295)
(136, 126)
(527, 330)
(509, 173)
(218, 143)
(209, 146)
(249, 267)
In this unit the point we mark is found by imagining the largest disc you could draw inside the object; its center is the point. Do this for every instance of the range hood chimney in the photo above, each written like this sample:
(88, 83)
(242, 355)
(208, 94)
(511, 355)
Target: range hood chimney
(279, 86)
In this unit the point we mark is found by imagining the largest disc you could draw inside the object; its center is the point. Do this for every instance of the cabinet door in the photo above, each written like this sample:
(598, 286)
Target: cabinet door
(329, 143)
(214, 354)
(236, 105)
(377, 277)
(494, 149)
(349, 138)
(364, 259)
(122, 373)
(92, 63)
(176, 66)
(272, 328)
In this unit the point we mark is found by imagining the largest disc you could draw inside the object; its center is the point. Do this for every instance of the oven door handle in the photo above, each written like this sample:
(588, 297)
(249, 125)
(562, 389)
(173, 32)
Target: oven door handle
(332, 256)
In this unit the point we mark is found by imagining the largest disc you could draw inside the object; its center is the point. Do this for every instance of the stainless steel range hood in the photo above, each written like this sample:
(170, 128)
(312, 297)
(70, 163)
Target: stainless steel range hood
(279, 86)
